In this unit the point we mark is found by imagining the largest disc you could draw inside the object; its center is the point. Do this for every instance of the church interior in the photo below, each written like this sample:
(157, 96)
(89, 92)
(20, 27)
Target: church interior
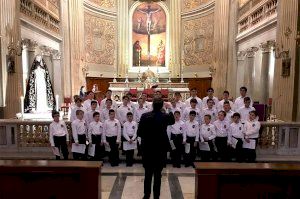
(55, 54)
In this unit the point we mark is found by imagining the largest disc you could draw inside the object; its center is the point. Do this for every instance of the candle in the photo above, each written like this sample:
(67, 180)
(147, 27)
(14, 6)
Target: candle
(22, 105)
(56, 99)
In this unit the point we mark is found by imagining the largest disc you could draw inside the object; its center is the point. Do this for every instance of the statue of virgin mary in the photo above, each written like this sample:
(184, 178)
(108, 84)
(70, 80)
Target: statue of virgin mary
(39, 96)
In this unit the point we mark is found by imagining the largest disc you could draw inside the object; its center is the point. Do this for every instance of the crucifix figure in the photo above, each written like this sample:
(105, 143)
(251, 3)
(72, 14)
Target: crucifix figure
(148, 12)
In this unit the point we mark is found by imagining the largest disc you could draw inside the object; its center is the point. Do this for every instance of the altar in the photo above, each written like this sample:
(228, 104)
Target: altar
(121, 88)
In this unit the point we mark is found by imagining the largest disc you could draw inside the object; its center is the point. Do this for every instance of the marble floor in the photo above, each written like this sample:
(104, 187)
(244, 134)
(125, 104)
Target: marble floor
(127, 182)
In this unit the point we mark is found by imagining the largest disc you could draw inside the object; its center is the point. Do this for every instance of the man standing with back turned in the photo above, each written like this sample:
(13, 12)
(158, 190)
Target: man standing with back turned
(155, 143)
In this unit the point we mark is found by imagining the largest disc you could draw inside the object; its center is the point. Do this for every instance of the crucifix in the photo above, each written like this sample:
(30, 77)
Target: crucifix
(148, 12)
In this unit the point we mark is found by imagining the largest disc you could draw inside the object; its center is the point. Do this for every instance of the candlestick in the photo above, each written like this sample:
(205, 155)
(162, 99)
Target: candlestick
(56, 99)
(169, 81)
(126, 80)
(182, 81)
(22, 105)
(115, 76)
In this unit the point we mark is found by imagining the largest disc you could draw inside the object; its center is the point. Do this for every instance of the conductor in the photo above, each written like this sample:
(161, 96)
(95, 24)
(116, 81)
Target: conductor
(154, 144)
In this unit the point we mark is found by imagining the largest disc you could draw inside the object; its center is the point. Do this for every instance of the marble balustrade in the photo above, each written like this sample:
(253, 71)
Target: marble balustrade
(276, 138)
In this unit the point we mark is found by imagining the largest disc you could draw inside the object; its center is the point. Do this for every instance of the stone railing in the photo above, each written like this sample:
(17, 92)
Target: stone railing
(40, 14)
(252, 14)
(276, 138)
(25, 136)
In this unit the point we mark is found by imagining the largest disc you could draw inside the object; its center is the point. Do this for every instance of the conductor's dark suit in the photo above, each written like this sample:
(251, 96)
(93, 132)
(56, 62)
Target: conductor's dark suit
(155, 145)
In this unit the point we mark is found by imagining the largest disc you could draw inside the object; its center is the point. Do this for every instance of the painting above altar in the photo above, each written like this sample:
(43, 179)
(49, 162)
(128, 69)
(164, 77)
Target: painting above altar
(149, 26)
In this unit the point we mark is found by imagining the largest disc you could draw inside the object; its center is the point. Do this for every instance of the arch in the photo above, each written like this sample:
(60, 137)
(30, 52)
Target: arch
(133, 26)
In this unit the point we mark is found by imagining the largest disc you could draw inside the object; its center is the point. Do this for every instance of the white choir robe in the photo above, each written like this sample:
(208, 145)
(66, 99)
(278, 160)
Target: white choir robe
(122, 113)
(239, 103)
(237, 130)
(58, 129)
(216, 101)
(112, 128)
(221, 105)
(79, 127)
(177, 128)
(244, 112)
(199, 103)
(212, 112)
(130, 130)
(222, 128)
(186, 113)
(208, 131)
(95, 128)
(252, 129)
(192, 130)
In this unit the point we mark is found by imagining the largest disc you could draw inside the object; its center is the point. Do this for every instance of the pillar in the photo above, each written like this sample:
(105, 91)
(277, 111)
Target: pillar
(285, 89)
(265, 68)
(76, 20)
(11, 88)
(249, 70)
(28, 55)
(123, 39)
(232, 85)
(241, 57)
(57, 73)
(66, 49)
(175, 33)
(221, 43)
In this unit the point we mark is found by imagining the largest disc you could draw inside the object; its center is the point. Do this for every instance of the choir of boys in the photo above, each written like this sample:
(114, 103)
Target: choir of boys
(208, 125)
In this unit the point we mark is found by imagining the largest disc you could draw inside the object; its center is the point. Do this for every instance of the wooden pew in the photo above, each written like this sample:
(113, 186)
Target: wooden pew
(49, 179)
(247, 181)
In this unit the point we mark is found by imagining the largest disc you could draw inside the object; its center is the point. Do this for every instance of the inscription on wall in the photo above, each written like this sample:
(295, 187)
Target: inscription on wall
(198, 41)
(100, 40)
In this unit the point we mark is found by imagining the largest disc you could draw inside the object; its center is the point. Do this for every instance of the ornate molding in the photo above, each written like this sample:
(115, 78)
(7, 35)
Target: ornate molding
(31, 45)
(100, 40)
(46, 51)
(241, 55)
(266, 47)
(198, 35)
(257, 14)
(250, 53)
(56, 55)
(188, 5)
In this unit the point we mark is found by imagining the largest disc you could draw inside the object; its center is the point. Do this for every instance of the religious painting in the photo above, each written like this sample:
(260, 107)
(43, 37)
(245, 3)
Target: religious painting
(149, 35)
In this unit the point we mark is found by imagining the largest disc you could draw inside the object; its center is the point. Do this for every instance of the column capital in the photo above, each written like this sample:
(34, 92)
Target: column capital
(30, 44)
(266, 47)
(46, 51)
(56, 55)
(241, 55)
(251, 51)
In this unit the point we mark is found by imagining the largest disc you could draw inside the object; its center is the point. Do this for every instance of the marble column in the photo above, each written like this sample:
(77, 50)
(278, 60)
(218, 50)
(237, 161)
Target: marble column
(28, 55)
(285, 90)
(232, 85)
(221, 43)
(66, 49)
(265, 67)
(11, 88)
(123, 38)
(57, 73)
(249, 70)
(76, 20)
(240, 79)
(175, 34)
